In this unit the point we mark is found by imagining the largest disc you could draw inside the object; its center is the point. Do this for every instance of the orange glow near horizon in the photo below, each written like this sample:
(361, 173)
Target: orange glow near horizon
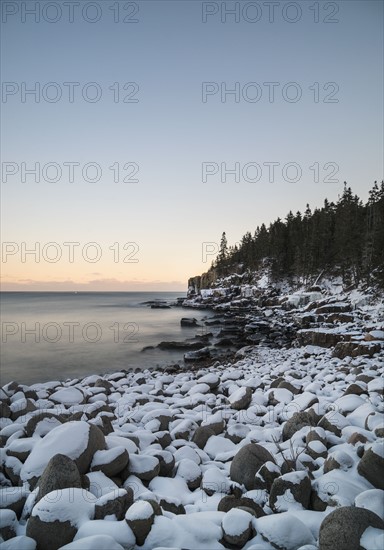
(93, 268)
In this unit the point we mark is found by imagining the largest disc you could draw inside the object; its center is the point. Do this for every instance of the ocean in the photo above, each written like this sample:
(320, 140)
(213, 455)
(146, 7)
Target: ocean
(59, 335)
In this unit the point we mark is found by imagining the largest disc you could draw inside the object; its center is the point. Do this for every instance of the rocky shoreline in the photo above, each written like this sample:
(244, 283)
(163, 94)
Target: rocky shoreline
(277, 445)
(276, 320)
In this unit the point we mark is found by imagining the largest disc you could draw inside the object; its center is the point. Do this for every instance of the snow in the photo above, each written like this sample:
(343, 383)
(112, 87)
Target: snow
(70, 439)
(372, 539)
(199, 388)
(45, 425)
(105, 457)
(99, 542)
(373, 500)
(236, 522)
(377, 334)
(10, 429)
(287, 502)
(378, 448)
(343, 458)
(188, 469)
(106, 497)
(193, 531)
(294, 477)
(139, 510)
(284, 530)
(217, 445)
(341, 487)
(215, 480)
(142, 463)
(237, 395)
(117, 530)
(100, 484)
(359, 415)
(174, 489)
(348, 403)
(9, 495)
(68, 396)
(336, 419)
(209, 378)
(187, 452)
(21, 445)
(118, 441)
(317, 446)
(185, 399)
(213, 419)
(302, 401)
(8, 519)
(73, 505)
(282, 395)
(20, 542)
(311, 519)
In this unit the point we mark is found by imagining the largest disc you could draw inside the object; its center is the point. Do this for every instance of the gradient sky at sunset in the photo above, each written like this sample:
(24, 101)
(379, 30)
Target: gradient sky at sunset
(169, 133)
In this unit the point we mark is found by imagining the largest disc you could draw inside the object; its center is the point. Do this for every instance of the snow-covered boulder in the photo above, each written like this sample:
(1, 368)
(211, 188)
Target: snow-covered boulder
(297, 421)
(373, 500)
(333, 422)
(145, 467)
(284, 531)
(115, 504)
(140, 517)
(111, 461)
(371, 466)
(56, 517)
(343, 528)
(201, 436)
(13, 498)
(101, 542)
(290, 491)
(78, 440)
(8, 524)
(237, 500)
(20, 542)
(214, 481)
(237, 527)
(61, 472)
(67, 396)
(241, 398)
(41, 423)
(190, 472)
(247, 462)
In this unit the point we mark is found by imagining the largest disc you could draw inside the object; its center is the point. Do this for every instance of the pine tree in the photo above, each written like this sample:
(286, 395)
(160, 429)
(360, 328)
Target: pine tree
(223, 252)
(346, 237)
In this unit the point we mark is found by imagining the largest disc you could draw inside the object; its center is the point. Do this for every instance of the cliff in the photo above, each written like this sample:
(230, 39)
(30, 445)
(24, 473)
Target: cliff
(195, 284)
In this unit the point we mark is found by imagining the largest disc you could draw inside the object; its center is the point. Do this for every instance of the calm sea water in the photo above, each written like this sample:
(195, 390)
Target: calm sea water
(58, 335)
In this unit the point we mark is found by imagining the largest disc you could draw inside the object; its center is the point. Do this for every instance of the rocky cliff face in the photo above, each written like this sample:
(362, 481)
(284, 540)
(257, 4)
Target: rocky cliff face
(231, 276)
(195, 284)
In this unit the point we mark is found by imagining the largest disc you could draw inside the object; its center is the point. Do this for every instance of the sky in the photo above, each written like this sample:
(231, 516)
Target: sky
(134, 133)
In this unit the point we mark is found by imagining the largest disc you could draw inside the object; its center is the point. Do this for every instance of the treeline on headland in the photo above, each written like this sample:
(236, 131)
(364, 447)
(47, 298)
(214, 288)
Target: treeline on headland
(345, 238)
